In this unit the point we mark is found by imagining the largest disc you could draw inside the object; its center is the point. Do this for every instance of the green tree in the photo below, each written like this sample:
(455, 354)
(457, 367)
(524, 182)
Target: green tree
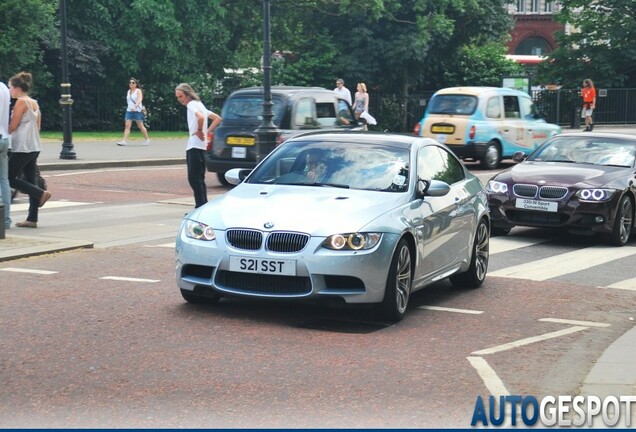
(27, 27)
(481, 65)
(600, 47)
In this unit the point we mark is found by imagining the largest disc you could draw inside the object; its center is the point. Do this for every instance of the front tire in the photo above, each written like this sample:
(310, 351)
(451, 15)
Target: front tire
(222, 179)
(623, 222)
(499, 231)
(197, 297)
(476, 273)
(398, 285)
(492, 156)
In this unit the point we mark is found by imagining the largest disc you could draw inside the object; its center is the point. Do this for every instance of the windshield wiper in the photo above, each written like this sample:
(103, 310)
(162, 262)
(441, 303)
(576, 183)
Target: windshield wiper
(558, 160)
(336, 185)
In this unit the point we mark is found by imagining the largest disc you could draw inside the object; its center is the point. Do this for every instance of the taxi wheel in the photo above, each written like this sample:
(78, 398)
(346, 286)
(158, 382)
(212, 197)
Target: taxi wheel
(492, 156)
(222, 179)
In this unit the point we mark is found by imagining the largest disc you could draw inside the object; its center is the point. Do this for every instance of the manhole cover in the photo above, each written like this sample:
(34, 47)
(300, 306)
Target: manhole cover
(344, 326)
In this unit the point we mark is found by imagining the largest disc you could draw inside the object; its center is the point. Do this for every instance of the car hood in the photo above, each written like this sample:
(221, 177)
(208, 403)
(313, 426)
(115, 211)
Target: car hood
(311, 209)
(561, 174)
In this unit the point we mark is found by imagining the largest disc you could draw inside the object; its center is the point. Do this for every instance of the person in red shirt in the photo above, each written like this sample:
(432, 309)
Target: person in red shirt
(589, 103)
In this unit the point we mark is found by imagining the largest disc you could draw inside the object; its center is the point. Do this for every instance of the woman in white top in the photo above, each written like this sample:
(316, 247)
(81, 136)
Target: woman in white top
(134, 111)
(198, 128)
(24, 128)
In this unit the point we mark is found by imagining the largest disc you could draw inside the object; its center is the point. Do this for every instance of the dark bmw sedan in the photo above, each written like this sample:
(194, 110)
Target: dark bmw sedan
(582, 182)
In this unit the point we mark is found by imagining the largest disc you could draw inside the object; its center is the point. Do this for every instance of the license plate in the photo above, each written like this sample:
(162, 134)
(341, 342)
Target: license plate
(239, 152)
(443, 129)
(234, 140)
(529, 204)
(263, 266)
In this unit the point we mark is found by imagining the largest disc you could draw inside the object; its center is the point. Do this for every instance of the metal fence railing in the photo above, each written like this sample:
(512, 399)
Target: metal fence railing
(103, 110)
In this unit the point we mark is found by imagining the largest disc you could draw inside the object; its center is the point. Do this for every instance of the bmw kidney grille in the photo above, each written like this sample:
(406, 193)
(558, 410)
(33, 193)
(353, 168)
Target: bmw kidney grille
(278, 241)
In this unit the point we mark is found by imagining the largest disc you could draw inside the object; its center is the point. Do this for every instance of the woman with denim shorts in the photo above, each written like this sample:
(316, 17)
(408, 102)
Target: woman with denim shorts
(134, 112)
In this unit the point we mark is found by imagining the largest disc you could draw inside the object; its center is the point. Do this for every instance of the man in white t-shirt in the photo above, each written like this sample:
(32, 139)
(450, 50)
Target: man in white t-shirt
(342, 91)
(198, 116)
(5, 189)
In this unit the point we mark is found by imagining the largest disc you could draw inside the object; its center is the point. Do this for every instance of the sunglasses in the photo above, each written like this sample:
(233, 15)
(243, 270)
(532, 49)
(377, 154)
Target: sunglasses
(132, 82)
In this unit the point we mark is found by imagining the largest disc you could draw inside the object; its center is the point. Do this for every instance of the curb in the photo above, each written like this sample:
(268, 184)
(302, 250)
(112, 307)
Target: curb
(38, 246)
(71, 165)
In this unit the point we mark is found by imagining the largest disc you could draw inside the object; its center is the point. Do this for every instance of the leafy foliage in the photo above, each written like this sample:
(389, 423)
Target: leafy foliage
(601, 46)
(28, 26)
(397, 47)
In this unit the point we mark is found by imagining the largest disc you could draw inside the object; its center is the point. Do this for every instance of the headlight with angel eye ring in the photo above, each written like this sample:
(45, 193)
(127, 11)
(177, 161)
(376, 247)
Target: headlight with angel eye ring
(199, 231)
(595, 195)
(352, 241)
(497, 187)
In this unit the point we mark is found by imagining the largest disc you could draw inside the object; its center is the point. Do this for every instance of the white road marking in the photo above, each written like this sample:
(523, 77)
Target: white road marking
(129, 279)
(628, 284)
(493, 383)
(566, 263)
(446, 309)
(164, 245)
(23, 270)
(505, 244)
(530, 340)
(97, 171)
(575, 322)
(49, 204)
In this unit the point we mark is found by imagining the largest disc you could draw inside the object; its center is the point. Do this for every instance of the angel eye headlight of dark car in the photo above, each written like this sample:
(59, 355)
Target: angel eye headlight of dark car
(198, 231)
(595, 195)
(352, 241)
(496, 187)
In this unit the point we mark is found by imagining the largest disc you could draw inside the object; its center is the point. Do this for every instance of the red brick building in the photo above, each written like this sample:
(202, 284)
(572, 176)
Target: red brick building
(534, 29)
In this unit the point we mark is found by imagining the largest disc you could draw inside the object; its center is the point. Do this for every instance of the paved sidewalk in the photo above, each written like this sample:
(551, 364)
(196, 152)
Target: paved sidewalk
(105, 154)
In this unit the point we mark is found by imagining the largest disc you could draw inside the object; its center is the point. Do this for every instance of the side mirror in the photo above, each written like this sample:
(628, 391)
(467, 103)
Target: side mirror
(434, 188)
(237, 175)
(519, 156)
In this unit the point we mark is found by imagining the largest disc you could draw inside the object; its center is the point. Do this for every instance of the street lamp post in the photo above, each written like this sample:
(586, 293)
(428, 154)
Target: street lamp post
(65, 100)
(266, 131)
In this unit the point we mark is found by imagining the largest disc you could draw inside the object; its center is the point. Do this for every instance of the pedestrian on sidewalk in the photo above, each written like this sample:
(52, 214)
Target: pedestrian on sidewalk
(24, 127)
(134, 111)
(198, 116)
(342, 91)
(361, 103)
(5, 189)
(589, 103)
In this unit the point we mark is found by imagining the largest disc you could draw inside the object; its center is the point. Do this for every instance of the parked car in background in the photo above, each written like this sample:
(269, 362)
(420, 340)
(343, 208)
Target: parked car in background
(296, 110)
(343, 217)
(485, 123)
(582, 182)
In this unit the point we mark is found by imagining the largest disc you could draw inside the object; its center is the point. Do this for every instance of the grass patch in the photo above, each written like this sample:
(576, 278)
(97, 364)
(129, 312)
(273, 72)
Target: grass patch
(113, 136)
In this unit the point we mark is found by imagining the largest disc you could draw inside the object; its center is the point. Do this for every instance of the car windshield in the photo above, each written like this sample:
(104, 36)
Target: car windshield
(453, 104)
(249, 108)
(587, 150)
(348, 165)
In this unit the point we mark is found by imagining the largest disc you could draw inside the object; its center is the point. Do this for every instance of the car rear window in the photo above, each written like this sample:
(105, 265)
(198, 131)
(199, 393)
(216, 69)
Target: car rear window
(453, 104)
(249, 108)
